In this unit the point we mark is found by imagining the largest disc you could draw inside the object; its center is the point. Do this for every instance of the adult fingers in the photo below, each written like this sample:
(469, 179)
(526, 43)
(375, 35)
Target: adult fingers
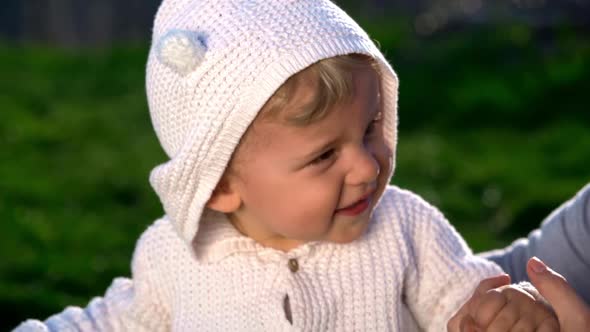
(572, 312)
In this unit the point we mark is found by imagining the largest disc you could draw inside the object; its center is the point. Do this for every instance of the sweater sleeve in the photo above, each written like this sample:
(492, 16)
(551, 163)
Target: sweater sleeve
(562, 241)
(443, 272)
(128, 304)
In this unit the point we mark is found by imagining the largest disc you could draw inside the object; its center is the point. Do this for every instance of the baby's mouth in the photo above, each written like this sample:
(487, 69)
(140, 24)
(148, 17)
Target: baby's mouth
(356, 208)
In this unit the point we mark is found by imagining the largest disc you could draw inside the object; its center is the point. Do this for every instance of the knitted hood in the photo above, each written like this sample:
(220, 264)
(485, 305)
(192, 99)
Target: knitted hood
(212, 66)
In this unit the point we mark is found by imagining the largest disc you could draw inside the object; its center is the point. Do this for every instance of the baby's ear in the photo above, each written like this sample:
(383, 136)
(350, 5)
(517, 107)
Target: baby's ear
(224, 198)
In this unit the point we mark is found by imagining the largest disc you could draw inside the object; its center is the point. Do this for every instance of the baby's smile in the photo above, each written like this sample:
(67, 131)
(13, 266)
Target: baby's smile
(358, 207)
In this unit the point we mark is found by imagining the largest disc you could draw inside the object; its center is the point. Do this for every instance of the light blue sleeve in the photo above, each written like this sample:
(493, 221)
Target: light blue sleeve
(562, 241)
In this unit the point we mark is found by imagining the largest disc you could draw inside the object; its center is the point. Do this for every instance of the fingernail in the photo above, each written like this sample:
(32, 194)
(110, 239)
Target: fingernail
(537, 265)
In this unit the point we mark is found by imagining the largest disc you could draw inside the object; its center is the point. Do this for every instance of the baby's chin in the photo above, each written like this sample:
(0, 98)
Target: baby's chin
(354, 234)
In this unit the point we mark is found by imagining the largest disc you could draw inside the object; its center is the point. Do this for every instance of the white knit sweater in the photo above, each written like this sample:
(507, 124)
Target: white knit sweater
(411, 267)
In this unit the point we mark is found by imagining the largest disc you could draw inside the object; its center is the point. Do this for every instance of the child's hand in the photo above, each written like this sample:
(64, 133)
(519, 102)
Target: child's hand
(497, 306)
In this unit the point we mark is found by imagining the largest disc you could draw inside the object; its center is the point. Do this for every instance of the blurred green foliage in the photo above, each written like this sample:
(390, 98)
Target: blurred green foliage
(494, 130)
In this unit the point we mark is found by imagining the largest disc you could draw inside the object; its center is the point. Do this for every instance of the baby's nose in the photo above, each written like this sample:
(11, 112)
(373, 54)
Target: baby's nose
(364, 169)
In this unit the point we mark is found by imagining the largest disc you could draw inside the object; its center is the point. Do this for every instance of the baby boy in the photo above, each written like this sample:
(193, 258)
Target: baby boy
(280, 122)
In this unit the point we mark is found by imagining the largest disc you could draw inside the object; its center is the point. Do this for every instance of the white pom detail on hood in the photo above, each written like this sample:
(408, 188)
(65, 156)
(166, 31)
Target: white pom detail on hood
(182, 50)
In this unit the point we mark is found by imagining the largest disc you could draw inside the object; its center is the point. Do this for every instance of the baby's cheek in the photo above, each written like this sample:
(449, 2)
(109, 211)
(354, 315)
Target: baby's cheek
(317, 209)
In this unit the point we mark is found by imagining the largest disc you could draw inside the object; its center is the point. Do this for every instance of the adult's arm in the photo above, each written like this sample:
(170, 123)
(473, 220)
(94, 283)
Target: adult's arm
(562, 241)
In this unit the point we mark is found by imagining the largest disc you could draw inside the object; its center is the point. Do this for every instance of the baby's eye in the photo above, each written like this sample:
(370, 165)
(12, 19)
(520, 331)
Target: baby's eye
(324, 157)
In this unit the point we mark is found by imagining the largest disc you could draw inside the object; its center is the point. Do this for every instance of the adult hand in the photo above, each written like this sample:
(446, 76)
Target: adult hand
(497, 305)
(572, 312)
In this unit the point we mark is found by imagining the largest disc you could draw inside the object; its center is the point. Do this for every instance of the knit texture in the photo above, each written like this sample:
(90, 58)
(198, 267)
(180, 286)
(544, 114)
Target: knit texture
(409, 270)
(213, 65)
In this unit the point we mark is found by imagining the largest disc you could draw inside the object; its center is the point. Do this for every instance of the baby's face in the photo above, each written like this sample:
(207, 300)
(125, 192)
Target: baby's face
(318, 182)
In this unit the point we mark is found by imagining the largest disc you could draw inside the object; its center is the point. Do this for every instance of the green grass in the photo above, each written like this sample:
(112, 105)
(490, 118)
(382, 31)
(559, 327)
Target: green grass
(77, 148)
(493, 131)
(495, 184)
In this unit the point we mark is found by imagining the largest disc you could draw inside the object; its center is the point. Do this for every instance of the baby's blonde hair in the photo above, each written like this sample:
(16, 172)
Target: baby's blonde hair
(333, 79)
(334, 85)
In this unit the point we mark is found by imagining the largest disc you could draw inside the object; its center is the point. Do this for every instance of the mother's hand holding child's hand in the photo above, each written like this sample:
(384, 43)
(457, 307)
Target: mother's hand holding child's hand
(498, 306)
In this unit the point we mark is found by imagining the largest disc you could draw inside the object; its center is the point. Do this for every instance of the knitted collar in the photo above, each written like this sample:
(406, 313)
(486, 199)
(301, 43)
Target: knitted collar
(219, 239)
